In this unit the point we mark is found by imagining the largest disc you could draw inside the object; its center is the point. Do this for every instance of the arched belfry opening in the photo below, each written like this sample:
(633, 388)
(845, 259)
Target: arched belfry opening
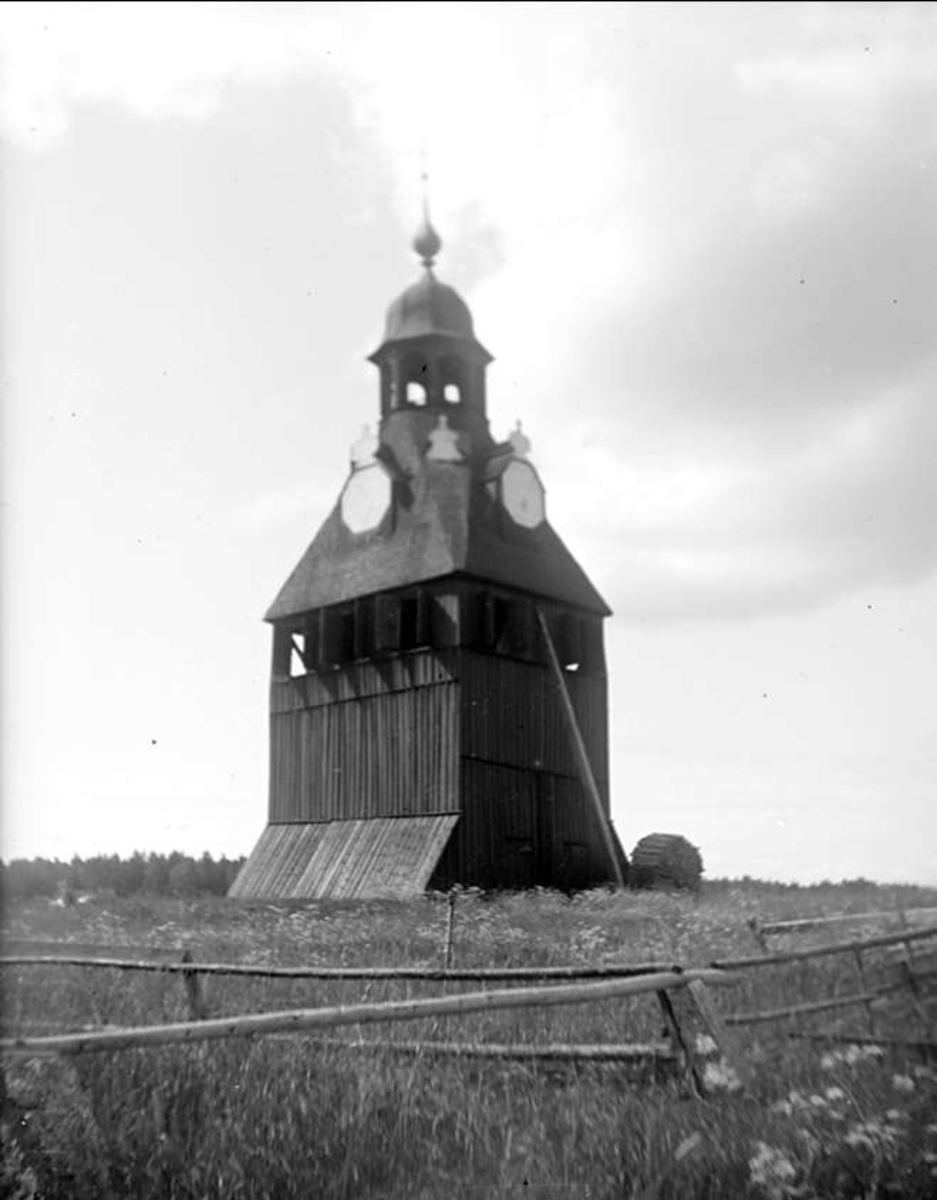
(430, 357)
(434, 651)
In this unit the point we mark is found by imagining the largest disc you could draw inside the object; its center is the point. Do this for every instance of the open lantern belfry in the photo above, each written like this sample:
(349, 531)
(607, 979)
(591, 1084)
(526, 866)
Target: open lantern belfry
(438, 701)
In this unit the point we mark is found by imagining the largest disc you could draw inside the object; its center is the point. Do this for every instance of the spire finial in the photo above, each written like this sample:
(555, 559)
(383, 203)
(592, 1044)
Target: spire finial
(427, 242)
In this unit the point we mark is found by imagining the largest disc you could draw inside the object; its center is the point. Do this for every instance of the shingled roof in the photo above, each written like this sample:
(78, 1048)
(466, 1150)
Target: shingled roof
(448, 524)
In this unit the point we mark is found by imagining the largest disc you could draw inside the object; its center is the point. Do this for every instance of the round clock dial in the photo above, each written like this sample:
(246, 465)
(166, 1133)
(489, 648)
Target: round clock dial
(366, 498)
(522, 494)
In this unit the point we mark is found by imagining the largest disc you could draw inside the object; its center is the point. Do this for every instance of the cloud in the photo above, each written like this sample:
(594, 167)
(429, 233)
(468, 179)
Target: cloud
(766, 409)
(700, 258)
(156, 60)
(280, 506)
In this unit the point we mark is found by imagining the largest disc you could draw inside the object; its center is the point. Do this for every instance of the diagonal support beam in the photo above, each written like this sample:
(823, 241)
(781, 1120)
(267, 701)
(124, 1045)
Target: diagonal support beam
(579, 750)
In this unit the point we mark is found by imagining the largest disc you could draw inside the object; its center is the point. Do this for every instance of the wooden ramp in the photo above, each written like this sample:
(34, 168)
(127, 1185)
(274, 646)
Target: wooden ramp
(345, 860)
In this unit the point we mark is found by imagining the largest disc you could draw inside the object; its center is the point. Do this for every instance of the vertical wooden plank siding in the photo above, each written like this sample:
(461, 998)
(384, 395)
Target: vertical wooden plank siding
(511, 714)
(390, 754)
(455, 728)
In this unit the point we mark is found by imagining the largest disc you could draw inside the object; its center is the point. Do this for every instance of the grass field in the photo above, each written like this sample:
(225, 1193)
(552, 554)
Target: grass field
(284, 1117)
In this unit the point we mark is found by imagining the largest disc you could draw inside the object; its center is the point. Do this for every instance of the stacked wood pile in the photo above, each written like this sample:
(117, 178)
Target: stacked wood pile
(666, 861)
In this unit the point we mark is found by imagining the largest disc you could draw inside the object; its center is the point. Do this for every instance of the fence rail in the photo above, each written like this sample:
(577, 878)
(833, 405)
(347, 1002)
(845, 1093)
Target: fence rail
(768, 960)
(813, 1006)
(548, 1051)
(355, 1014)
(438, 974)
(804, 923)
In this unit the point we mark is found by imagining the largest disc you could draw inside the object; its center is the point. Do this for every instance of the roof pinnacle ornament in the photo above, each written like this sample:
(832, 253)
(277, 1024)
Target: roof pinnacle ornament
(427, 242)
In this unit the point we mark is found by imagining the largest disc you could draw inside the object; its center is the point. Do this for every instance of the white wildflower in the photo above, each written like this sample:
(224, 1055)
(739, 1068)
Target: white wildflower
(903, 1083)
(771, 1170)
(721, 1075)
(705, 1044)
(835, 1093)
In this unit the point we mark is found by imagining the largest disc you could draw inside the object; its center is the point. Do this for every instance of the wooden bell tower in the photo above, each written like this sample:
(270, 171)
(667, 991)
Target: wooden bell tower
(438, 709)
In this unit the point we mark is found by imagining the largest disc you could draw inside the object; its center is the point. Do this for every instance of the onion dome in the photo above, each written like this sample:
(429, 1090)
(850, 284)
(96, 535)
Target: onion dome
(428, 306)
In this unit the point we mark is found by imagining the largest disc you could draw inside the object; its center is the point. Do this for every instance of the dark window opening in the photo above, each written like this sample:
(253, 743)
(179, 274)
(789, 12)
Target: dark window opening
(330, 650)
(497, 618)
(346, 636)
(519, 636)
(364, 627)
(409, 622)
(282, 653)
(565, 632)
(386, 624)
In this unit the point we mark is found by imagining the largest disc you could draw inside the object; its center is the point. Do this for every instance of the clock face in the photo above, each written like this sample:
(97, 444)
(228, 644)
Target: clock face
(366, 498)
(522, 494)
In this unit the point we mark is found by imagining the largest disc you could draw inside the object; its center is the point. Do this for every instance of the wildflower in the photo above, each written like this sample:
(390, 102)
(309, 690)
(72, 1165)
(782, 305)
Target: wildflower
(903, 1083)
(835, 1093)
(870, 1134)
(721, 1075)
(772, 1170)
(818, 1101)
(828, 1061)
(705, 1044)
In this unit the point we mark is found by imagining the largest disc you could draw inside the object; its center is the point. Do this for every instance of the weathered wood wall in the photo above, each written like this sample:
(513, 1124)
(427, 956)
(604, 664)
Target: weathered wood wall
(475, 728)
(366, 741)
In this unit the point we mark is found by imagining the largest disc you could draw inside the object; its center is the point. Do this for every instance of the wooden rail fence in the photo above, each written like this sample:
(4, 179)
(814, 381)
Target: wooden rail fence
(906, 973)
(676, 989)
(681, 1050)
(762, 932)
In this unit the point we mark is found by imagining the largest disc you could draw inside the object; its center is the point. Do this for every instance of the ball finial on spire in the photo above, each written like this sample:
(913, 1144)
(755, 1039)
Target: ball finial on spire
(427, 242)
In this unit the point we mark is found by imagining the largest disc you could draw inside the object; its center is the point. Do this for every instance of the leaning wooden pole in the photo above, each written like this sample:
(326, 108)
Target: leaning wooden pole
(579, 749)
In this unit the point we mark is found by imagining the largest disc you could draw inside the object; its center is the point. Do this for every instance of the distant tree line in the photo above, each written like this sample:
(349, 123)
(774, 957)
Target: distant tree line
(172, 874)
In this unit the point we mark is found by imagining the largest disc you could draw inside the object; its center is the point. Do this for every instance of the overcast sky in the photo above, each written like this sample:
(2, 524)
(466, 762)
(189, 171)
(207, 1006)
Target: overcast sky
(700, 242)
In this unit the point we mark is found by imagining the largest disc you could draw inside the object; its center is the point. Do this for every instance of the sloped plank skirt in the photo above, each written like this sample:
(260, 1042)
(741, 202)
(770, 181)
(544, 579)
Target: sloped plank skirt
(345, 860)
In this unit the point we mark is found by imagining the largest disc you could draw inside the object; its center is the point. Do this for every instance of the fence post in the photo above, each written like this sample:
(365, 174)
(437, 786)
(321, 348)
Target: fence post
(757, 934)
(198, 1009)
(684, 1054)
(915, 989)
(716, 1028)
(450, 919)
(860, 968)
